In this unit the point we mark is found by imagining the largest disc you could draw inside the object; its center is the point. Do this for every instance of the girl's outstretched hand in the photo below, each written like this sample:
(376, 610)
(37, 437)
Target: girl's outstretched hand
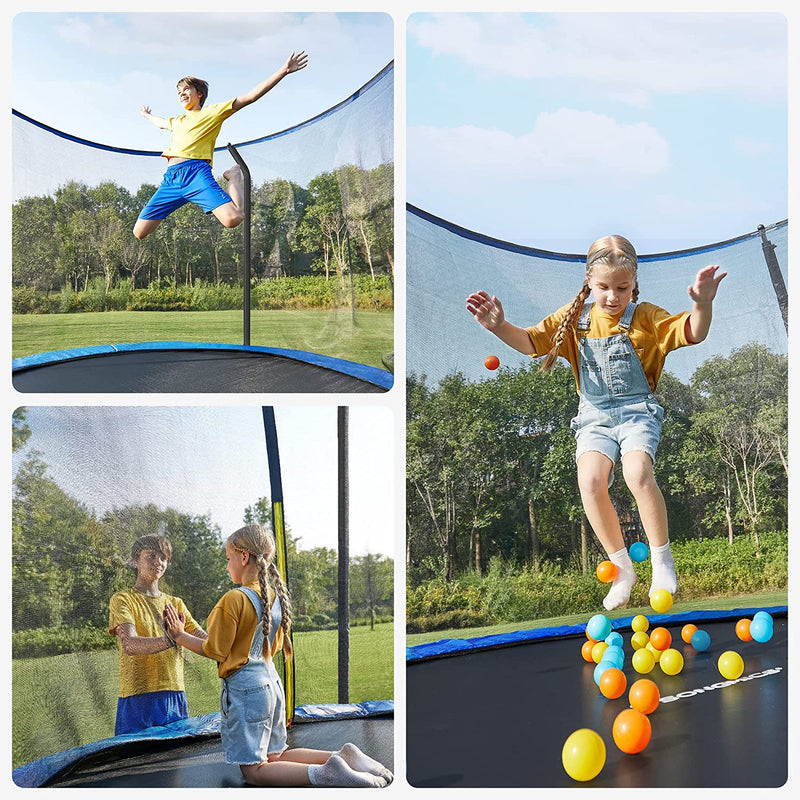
(173, 621)
(487, 310)
(705, 285)
(296, 61)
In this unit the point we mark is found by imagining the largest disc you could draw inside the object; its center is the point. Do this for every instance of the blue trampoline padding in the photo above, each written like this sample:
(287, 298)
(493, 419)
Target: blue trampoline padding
(375, 375)
(38, 772)
(452, 647)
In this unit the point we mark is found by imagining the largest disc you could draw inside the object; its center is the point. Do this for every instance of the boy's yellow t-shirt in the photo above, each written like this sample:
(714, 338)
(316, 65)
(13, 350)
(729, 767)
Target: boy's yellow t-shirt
(153, 672)
(654, 332)
(194, 133)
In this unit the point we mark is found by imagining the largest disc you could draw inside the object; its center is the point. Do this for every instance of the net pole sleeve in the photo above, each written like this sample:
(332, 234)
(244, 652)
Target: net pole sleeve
(246, 229)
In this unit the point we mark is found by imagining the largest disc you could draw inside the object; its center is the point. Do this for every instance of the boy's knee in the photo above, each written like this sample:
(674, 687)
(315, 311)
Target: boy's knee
(234, 220)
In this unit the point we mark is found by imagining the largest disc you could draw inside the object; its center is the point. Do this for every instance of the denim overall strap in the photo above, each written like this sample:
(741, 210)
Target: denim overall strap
(583, 320)
(257, 645)
(627, 315)
(276, 613)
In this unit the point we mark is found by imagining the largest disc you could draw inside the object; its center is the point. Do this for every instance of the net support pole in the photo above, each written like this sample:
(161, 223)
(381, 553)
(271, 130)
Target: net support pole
(344, 556)
(246, 231)
(775, 274)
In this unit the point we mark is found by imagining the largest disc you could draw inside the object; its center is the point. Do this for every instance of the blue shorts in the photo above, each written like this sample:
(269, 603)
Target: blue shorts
(617, 429)
(186, 182)
(151, 708)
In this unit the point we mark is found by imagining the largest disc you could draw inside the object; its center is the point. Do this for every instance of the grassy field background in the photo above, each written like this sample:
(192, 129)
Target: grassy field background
(330, 333)
(63, 701)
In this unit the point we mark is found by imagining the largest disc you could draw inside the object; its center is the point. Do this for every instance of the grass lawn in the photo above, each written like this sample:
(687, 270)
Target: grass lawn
(761, 600)
(62, 701)
(330, 333)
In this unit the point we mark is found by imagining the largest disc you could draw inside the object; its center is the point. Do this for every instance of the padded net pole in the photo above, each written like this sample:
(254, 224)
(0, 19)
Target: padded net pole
(279, 529)
(775, 275)
(344, 558)
(247, 211)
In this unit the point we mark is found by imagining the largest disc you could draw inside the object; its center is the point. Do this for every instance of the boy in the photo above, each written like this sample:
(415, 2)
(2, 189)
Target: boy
(190, 153)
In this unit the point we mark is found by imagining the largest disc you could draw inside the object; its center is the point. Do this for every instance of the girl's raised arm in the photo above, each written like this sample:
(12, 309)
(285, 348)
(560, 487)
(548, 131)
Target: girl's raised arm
(488, 311)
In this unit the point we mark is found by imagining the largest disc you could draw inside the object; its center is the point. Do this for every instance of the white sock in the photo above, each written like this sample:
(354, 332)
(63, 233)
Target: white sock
(620, 591)
(336, 772)
(361, 762)
(664, 576)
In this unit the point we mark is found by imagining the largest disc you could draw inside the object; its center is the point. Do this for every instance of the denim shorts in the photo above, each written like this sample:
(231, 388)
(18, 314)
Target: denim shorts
(252, 714)
(185, 182)
(615, 429)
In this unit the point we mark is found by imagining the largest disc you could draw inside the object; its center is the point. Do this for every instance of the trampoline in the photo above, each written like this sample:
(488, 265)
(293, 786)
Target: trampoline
(496, 711)
(193, 367)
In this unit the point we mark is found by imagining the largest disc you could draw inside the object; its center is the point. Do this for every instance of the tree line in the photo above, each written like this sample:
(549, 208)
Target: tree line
(340, 224)
(491, 475)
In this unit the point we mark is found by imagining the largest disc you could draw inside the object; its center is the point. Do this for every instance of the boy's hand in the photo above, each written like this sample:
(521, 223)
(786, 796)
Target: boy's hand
(486, 310)
(145, 111)
(295, 62)
(705, 285)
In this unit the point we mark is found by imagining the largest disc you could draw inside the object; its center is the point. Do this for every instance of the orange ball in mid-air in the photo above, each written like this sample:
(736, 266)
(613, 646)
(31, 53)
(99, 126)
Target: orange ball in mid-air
(631, 731)
(606, 571)
(491, 362)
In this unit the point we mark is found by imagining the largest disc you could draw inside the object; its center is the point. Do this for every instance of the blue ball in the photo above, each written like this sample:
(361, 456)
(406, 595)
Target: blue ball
(761, 629)
(598, 627)
(615, 654)
(701, 640)
(614, 638)
(601, 668)
(763, 615)
(638, 551)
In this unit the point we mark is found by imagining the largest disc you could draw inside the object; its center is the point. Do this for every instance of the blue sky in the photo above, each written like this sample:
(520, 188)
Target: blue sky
(89, 73)
(550, 130)
(212, 460)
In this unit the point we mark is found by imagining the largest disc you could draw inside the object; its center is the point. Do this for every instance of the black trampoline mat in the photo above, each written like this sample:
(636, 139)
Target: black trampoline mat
(186, 371)
(200, 763)
(499, 718)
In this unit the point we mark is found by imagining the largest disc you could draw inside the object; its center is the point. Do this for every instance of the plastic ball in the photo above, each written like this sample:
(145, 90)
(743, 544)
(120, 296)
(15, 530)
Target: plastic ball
(643, 661)
(743, 630)
(661, 601)
(597, 651)
(639, 640)
(491, 362)
(730, 665)
(760, 629)
(687, 631)
(644, 696)
(614, 638)
(631, 731)
(614, 654)
(602, 667)
(638, 551)
(656, 653)
(640, 623)
(763, 615)
(701, 640)
(613, 683)
(671, 661)
(606, 571)
(660, 638)
(586, 650)
(598, 627)
(583, 754)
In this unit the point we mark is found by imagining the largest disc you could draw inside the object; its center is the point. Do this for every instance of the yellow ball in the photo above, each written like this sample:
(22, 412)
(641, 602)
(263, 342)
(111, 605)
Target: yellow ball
(640, 623)
(639, 640)
(654, 650)
(671, 661)
(583, 755)
(597, 651)
(661, 601)
(730, 665)
(643, 661)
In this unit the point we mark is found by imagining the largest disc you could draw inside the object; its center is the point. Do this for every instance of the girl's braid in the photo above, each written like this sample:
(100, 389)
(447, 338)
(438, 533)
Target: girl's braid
(282, 591)
(568, 320)
(263, 585)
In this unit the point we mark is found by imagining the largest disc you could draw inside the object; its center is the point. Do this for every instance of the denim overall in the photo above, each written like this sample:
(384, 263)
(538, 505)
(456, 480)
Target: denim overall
(618, 411)
(252, 703)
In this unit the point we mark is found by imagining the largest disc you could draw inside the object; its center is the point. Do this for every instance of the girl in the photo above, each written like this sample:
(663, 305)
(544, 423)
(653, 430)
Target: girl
(245, 630)
(616, 349)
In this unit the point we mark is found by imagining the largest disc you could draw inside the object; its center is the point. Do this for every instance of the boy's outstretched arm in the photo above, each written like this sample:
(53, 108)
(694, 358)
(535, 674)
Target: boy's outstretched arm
(295, 62)
(703, 292)
(159, 122)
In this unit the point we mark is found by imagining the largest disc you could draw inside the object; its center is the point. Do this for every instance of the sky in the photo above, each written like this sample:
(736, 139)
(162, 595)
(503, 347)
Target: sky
(212, 460)
(550, 130)
(98, 69)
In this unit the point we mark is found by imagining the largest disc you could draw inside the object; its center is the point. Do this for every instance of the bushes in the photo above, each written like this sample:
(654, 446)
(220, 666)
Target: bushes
(25, 300)
(39, 642)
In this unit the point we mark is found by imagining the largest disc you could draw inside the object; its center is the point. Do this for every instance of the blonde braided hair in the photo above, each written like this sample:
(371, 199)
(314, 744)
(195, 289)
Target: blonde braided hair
(259, 543)
(614, 252)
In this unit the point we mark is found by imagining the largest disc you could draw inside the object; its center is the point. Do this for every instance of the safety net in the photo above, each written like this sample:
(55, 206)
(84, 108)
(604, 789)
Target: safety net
(321, 240)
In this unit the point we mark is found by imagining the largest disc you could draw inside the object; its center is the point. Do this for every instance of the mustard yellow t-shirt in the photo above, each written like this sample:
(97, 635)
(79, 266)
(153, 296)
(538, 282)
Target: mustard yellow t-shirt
(194, 133)
(231, 627)
(654, 332)
(154, 672)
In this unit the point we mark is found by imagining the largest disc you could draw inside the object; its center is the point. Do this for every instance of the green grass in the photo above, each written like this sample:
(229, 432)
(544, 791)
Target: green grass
(329, 333)
(63, 701)
(763, 599)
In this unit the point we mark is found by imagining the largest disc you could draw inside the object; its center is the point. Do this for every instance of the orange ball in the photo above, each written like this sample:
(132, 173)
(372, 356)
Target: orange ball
(586, 650)
(743, 630)
(631, 731)
(644, 696)
(606, 571)
(613, 683)
(491, 362)
(687, 632)
(660, 638)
